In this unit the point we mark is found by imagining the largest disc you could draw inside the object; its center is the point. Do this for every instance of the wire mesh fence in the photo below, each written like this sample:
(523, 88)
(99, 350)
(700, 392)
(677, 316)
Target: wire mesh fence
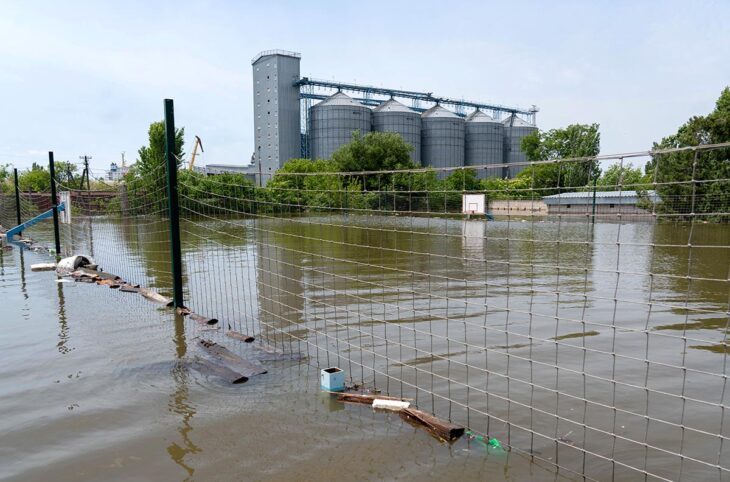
(584, 325)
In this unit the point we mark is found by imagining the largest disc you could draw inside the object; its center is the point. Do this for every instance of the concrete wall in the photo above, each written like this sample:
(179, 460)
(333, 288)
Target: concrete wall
(518, 208)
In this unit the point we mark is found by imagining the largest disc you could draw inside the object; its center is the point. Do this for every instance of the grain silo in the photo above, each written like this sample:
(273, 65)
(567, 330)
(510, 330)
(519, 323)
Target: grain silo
(442, 139)
(392, 116)
(515, 129)
(484, 143)
(332, 122)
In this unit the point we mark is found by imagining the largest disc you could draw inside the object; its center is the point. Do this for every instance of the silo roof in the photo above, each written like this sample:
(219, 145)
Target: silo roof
(479, 116)
(517, 122)
(438, 111)
(392, 105)
(340, 99)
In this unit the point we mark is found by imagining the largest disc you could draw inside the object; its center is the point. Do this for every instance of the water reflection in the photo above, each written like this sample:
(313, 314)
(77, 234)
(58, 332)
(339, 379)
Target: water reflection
(63, 329)
(23, 286)
(180, 404)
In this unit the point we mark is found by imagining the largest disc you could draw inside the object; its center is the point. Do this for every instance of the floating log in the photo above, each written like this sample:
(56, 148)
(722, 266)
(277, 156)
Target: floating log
(43, 267)
(154, 296)
(363, 398)
(207, 367)
(181, 310)
(126, 288)
(239, 336)
(99, 274)
(203, 320)
(231, 360)
(445, 431)
(108, 282)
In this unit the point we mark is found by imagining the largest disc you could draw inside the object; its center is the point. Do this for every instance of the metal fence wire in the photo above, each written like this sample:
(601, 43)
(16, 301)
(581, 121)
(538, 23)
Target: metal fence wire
(584, 326)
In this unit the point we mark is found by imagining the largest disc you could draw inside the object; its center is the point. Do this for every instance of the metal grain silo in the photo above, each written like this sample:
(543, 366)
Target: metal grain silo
(392, 116)
(442, 138)
(515, 129)
(332, 122)
(484, 143)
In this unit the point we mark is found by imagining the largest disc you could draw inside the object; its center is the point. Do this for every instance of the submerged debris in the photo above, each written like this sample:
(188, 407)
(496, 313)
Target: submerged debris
(445, 431)
(227, 358)
(43, 267)
(239, 336)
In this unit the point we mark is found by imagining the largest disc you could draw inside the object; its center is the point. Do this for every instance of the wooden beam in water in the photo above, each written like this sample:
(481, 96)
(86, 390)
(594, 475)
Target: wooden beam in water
(229, 359)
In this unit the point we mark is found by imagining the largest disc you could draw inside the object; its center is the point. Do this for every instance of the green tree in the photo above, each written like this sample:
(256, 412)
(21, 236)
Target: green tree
(5, 184)
(35, 179)
(292, 189)
(146, 180)
(675, 171)
(631, 178)
(573, 141)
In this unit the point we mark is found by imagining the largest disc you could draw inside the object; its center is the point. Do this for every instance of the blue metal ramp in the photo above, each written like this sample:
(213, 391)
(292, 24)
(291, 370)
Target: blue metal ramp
(22, 227)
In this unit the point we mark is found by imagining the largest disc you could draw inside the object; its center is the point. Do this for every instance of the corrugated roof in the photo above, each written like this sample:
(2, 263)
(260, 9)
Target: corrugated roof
(340, 99)
(602, 194)
(438, 111)
(602, 197)
(479, 116)
(517, 122)
(392, 105)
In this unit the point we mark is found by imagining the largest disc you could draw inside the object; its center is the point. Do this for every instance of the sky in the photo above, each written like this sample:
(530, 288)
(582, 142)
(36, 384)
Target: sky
(87, 78)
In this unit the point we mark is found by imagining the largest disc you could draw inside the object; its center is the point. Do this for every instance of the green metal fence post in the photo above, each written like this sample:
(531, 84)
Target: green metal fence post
(17, 199)
(54, 203)
(593, 215)
(173, 206)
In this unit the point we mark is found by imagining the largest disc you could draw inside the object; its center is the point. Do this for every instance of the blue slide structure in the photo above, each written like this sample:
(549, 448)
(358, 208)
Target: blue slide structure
(22, 227)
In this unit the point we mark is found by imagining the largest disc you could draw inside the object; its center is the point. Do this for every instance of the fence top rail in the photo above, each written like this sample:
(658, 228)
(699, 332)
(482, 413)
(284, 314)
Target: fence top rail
(604, 157)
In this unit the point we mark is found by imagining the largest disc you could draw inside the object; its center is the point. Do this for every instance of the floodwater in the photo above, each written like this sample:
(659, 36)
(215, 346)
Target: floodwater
(596, 343)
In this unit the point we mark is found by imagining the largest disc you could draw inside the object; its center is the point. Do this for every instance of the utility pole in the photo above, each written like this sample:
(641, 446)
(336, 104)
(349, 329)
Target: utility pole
(86, 172)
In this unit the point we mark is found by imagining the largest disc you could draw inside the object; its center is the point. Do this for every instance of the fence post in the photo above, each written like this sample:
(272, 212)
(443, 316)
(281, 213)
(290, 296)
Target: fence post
(54, 203)
(17, 199)
(172, 203)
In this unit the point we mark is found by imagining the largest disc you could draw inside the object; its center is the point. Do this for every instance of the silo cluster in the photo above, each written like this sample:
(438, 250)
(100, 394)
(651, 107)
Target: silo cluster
(440, 138)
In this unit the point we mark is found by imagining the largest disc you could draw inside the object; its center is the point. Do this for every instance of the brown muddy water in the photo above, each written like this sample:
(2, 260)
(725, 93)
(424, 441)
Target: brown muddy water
(497, 317)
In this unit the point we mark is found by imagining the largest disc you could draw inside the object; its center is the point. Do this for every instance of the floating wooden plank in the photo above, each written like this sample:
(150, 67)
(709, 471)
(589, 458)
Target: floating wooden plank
(43, 267)
(203, 320)
(231, 360)
(99, 274)
(206, 367)
(363, 398)
(445, 431)
(239, 336)
(108, 282)
(154, 296)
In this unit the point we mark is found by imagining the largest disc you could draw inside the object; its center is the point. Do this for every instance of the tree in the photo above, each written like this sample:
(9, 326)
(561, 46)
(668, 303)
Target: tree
(573, 141)
(631, 178)
(675, 171)
(375, 151)
(35, 179)
(5, 178)
(65, 172)
(152, 156)
(146, 180)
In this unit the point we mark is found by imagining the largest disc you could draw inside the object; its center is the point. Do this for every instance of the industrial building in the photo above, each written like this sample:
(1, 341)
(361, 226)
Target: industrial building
(299, 117)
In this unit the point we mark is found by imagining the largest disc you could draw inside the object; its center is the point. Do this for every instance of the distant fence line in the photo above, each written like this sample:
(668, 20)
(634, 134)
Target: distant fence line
(581, 340)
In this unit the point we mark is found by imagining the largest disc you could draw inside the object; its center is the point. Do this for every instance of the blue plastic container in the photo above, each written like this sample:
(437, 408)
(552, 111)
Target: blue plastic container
(332, 379)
